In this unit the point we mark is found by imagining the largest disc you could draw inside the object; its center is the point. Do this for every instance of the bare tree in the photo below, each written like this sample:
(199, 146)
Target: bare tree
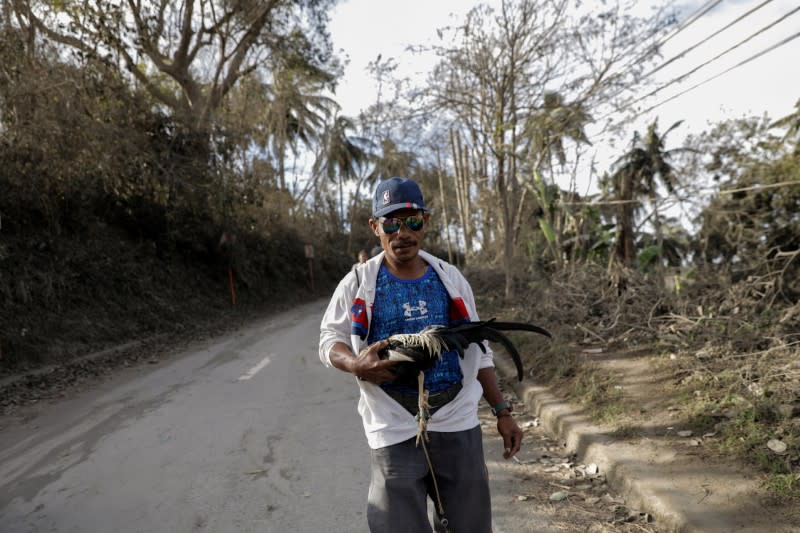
(187, 54)
(497, 83)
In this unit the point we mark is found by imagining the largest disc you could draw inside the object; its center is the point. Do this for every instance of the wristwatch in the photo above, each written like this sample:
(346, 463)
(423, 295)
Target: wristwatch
(502, 406)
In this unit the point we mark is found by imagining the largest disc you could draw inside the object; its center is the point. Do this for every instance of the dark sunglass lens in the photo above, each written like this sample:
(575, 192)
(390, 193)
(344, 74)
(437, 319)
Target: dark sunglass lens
(391, 225)
(415, 223)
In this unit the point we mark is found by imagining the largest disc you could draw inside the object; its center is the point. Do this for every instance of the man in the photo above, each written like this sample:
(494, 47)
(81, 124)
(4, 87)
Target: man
(402, 290)
(362, 258)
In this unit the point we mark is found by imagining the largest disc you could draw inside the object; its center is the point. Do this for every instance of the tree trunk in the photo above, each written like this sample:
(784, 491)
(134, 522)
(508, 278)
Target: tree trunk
(462, 191)
(353, 205)
(659, 240)
(281, 165)
(444, 208)
(624, 251)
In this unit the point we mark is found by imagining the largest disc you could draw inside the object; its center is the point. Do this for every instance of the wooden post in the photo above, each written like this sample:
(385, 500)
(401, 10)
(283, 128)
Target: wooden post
(309, 249)
(226, 244)
(233, 287)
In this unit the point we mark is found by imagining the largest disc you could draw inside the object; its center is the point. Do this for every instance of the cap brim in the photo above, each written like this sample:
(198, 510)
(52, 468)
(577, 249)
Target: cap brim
(383, 211)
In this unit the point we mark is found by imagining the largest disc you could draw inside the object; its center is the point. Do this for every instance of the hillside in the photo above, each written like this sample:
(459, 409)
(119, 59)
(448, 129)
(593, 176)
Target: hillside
(103, 286)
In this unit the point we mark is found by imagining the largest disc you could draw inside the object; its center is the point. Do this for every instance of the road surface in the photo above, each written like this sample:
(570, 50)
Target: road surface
(245, 433)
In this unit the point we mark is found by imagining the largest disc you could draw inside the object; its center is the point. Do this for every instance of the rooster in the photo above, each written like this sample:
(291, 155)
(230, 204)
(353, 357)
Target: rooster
(418, 352)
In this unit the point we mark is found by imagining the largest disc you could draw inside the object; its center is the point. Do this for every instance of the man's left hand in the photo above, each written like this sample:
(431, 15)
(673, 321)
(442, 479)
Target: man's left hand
(512, 435)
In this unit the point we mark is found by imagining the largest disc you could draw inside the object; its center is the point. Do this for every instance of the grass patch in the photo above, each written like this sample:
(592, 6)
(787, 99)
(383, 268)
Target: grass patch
(784, 486)
(597, 392)
(625, 432)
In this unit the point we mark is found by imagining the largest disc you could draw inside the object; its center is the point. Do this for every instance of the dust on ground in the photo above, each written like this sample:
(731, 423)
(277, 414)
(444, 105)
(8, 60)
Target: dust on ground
(547, 479)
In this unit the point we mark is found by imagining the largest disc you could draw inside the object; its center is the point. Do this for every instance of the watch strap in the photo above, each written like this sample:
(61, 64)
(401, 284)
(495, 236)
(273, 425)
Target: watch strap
(503, 405)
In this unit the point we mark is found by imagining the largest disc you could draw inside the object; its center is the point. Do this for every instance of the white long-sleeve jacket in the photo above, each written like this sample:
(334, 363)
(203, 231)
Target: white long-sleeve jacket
(385, 421)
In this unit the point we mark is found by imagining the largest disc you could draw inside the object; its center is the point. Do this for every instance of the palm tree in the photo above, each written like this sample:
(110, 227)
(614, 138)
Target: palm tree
(638, 173)
(792, 124)
(296, 113)
(548, 127)
(391, 161)
(546, 130)
(341, 156)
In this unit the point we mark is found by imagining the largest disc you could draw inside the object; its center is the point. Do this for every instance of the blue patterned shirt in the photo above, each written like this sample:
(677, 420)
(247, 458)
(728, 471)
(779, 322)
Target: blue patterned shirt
(408, 306)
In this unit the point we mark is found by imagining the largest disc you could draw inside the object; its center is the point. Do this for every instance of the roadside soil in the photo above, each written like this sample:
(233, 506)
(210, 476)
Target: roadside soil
(644, 403)
(546, 480)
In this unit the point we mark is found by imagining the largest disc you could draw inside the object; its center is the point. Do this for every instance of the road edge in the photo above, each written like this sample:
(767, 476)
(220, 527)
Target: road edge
(645, 474)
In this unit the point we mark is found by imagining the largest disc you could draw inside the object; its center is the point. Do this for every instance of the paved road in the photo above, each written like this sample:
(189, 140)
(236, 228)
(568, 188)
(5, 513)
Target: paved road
(246, 433)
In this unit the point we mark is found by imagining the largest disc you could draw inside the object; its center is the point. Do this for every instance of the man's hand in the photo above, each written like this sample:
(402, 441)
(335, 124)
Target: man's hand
(511, 433)
(369, 367)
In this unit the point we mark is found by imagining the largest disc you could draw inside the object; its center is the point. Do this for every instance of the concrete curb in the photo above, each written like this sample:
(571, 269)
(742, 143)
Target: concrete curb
(683, 492)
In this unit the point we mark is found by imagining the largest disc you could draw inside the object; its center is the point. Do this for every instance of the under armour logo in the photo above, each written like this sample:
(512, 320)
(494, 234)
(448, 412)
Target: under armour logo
(421, 307)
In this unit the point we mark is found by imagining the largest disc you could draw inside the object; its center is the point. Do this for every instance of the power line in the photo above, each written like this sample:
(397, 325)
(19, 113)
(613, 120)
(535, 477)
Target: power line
(732, 48)
(758, 187)
(680, 55)
(711, 4)
(702, 10)
(708, 62)
(694, 17)
(712, 78)
(698, 14)
(739, 64)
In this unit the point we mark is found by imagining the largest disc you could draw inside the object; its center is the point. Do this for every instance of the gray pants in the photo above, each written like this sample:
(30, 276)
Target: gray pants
(401, 483)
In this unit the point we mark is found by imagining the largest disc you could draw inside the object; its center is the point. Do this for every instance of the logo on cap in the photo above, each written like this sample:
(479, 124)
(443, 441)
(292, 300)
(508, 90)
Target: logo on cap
(386, 197)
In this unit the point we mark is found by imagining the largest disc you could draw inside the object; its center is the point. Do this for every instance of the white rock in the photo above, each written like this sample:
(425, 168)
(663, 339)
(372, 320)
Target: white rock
(777, 446)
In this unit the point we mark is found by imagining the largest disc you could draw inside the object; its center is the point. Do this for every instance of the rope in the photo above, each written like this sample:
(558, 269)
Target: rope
(423, 415)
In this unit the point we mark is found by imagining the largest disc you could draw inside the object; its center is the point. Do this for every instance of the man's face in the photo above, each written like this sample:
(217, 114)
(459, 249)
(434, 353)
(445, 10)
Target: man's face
(402, 245)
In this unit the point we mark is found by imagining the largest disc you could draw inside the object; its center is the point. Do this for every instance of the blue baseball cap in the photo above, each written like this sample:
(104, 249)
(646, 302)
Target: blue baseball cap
(397, 193)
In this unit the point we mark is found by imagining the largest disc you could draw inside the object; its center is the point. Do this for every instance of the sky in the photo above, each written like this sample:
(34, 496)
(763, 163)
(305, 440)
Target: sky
(362, 29)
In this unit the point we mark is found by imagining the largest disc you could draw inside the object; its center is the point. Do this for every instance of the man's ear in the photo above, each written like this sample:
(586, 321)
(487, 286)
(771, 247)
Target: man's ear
(374, 227)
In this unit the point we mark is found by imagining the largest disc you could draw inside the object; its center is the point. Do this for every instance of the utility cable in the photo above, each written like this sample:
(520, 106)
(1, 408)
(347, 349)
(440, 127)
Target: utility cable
(680, 55)
(695, 86)
(739, 64)
(711, 4)
(694, 17)
(708, 62)
(732, 48)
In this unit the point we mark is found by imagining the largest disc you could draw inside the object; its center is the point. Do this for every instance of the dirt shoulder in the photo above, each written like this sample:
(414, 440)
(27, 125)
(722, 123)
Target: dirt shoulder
(703, 379)
(645, 437)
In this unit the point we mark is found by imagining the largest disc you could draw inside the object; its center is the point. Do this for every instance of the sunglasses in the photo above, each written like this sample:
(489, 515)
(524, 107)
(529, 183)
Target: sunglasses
(392, 224)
